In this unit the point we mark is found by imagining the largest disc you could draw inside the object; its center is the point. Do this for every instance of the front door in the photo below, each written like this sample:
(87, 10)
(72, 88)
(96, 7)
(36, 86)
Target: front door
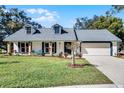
(67, 48)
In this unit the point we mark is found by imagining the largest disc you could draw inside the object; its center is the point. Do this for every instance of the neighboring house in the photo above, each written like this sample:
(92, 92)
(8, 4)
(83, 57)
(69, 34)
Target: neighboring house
(54, 40)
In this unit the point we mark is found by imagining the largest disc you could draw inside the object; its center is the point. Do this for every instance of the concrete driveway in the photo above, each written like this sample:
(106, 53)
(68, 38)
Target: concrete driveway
(112, 67)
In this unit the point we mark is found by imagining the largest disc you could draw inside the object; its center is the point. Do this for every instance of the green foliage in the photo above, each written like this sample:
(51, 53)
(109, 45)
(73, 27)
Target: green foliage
(12, 19)
(0, 50)
(118, 8)
(108, 21)
(113, 24)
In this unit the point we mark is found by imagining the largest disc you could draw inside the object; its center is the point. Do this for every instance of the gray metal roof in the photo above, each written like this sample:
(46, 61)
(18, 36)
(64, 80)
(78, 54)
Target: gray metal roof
(47, 34)
(96, 35)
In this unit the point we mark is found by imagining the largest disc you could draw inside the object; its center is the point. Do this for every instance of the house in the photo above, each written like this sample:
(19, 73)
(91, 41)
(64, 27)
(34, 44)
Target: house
(54, 40)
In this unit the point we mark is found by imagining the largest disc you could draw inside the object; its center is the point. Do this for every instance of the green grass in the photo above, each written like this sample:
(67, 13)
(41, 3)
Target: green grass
(25, 71)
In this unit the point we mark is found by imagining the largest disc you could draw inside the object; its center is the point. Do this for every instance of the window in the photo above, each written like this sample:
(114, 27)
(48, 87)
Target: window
(28, 29)
(54, 47)
(23, 47)
(27, 47)
(46, 47)
(56, 29)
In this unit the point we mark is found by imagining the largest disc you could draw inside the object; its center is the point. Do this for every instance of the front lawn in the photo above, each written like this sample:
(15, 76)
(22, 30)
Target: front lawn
(25, 71)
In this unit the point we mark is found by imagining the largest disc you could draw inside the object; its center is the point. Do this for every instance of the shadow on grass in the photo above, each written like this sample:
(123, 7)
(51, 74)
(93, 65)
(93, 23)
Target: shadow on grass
(90, 65)
(9, 62)
(81, 65)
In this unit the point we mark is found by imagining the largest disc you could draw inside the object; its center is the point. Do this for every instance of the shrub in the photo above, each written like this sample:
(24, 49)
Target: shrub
(65, 55)
(60, 54)
(10, 54)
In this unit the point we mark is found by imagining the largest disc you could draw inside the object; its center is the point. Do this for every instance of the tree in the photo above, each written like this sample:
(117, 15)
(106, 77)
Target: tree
(113, 24)
(118, 8)
(73, 48)
(36, 25)
(11, 20)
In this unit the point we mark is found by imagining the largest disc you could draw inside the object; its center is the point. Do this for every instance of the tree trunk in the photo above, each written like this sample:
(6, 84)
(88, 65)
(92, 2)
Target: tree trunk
(73, 57)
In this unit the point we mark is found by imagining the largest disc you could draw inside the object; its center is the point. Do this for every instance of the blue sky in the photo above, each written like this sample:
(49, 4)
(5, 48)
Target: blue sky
(65, 15)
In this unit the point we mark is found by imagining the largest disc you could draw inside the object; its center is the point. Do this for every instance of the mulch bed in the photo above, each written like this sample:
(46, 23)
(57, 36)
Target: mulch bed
(79, 65)
(76, 65)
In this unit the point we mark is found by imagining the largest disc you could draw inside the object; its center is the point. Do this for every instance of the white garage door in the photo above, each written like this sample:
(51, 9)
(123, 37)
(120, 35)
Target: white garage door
(95, 48)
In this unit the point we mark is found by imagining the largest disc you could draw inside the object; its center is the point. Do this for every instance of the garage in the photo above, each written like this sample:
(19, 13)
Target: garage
(97, 42)
(96, 49)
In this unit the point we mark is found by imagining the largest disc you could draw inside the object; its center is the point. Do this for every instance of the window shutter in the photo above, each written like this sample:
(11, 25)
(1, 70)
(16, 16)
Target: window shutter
(55, 47)
(42, 46)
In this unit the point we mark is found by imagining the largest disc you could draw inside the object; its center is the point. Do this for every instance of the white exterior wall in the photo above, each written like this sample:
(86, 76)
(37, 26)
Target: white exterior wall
(15, 47)
(36, 46)
(95, 48)
(115, 48)
(8, 47)
(60, 47)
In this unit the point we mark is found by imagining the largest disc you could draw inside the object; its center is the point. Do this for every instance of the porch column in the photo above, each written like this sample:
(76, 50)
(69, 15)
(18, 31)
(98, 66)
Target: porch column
(29, 49)
(50, 46)
(62, 47)
(58, 47)
(8, 48)
(15, 47)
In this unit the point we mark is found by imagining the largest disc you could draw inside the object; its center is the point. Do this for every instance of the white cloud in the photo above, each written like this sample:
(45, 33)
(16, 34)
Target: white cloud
(32, 11)
(37, 10)
(43, 16)
(40, 11)
(46, 21)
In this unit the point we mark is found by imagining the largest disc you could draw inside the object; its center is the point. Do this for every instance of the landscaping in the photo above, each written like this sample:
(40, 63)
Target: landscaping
(120, 56)
(34, 71)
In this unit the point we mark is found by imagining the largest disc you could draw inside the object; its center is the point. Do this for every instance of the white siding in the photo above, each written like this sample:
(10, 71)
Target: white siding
(95, 48)
(60, 47)
(115, 48)
(36, 46)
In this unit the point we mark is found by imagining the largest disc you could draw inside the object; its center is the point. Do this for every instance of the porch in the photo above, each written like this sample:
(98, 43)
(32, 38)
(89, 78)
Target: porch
(47, 47)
